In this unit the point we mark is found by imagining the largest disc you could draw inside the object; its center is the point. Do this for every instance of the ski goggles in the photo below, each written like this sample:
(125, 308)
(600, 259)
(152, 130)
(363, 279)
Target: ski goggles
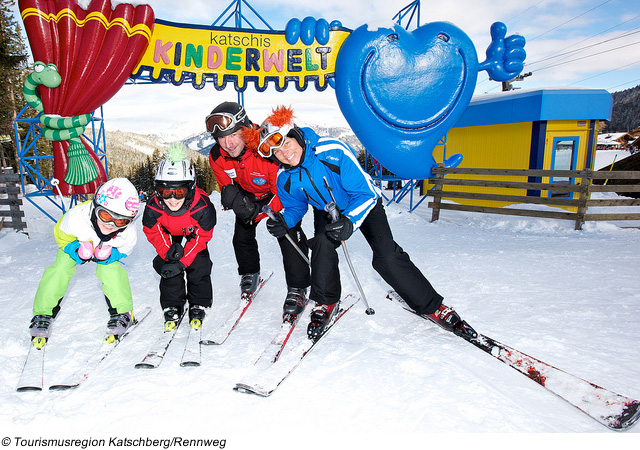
(177, 193)
(107, 217)
(224, 121)
(271, 143)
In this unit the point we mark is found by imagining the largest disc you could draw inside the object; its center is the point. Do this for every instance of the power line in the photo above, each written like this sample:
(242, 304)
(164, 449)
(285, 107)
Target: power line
(587, 56)
(597, 34)
(570, 20)
(607, 71)
(623, 84)
(634, 31)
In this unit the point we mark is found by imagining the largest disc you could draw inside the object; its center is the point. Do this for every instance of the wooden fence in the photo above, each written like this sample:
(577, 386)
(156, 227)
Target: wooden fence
(9, 196)
(583, 186)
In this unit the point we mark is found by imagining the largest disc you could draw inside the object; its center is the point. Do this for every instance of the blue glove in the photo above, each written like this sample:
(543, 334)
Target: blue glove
(71, 249)
(116, 255)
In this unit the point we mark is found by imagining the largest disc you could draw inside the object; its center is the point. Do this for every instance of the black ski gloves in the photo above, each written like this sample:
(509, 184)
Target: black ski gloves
(171, 269)
(245, 208)
(277, 227)
(228, 195)
(175, 252)
(340, 230)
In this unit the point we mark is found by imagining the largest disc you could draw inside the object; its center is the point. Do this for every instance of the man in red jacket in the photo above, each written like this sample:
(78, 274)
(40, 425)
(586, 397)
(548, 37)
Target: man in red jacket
(248, 183)
(179, 210)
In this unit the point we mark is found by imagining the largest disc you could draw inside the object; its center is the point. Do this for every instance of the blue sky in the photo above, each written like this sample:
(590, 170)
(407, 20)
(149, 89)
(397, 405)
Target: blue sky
(570, 43)
(562, 35)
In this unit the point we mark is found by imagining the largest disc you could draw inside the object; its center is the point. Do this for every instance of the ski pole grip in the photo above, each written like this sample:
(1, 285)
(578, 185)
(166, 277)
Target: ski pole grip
(332, 209)
(269, 212)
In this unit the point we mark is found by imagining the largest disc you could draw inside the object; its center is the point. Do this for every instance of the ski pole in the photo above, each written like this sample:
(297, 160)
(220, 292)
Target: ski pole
(332, 209)
(269, 212)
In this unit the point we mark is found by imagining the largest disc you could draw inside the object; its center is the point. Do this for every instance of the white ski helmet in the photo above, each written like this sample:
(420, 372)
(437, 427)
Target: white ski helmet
(119, 196)
(175, 169)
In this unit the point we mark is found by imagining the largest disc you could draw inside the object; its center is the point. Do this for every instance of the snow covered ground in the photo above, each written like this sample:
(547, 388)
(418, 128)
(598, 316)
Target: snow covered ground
(393, 380)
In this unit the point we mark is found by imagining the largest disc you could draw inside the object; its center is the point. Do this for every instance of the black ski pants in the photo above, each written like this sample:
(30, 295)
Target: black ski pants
(245, 246)
(197, 290)
(389, 260)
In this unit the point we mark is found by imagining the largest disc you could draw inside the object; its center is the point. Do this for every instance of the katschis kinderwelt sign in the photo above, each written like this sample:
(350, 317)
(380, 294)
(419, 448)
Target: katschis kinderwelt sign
(199, 54)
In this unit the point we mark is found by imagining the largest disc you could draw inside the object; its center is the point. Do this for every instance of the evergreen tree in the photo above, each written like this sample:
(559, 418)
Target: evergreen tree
(13, 71)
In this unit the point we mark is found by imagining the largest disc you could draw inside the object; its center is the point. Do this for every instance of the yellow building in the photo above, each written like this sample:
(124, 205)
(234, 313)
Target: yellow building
(552, 129)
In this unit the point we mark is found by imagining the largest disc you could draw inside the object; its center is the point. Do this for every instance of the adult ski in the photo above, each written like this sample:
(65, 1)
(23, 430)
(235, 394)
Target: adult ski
(80, 376)
(263, 381)
(220, 335)
(273, 351)
(612, 410)
(156, 354)
(32, 376)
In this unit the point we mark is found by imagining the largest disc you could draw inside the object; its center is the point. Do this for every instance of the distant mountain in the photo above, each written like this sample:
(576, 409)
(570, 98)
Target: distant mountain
(625, 116)
(203, 142)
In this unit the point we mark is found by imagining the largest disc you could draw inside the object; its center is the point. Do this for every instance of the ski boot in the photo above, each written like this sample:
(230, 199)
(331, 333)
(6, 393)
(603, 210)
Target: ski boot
(40, 329)
(249, 283)
(321, 315)
(448, 319)
(117, 325)
(196, 316)
(294, 303)
(172, 316)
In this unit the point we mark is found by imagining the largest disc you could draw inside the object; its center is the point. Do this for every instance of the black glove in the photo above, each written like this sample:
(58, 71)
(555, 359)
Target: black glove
(245, 208)
(228, 195)
(171, 269)
(340, 230)
(278, 227)
(175, 252)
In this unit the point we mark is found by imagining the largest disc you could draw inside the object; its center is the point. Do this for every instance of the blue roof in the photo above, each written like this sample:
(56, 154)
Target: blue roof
(537, 105)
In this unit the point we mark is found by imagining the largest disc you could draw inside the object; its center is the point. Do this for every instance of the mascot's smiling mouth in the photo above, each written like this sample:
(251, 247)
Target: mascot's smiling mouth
(391, 72)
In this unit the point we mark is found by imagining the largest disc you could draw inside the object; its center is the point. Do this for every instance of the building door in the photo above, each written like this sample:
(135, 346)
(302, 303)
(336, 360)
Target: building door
(564, 157)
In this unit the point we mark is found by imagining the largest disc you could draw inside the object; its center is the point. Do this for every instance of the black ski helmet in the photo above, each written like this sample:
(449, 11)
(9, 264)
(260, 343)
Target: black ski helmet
(226, 118)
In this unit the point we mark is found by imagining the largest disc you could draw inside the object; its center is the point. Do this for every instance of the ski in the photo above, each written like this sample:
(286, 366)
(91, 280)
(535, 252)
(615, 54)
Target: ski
(263, 381)
(80, 376)
(612, 410)
(32, 376)
(191, 356)
(155, 356)
(220, 335)
(273, 351)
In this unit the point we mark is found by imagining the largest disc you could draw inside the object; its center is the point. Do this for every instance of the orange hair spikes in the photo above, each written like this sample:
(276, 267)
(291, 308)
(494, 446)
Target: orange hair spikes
(281, 116)
(251, 137)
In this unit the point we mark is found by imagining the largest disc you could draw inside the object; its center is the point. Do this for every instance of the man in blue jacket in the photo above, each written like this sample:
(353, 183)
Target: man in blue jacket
(317, 171)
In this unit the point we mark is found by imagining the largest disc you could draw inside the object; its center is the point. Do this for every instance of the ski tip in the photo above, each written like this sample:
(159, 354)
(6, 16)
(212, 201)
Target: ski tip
(628, 418)
(63, 387)
(189, 364)
(144, 366)
(244, 389)
(28, 389)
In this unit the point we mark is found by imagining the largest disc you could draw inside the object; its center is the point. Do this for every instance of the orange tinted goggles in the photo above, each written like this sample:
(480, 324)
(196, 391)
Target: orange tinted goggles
(107, 217)
(269, 144)
(167, 193)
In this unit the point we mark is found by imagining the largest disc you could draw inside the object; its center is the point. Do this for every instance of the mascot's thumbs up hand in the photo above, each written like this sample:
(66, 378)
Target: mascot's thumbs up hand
(505, 55)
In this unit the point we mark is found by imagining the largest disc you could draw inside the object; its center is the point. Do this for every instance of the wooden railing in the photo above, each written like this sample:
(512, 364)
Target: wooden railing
(583, 186)
(9, 196)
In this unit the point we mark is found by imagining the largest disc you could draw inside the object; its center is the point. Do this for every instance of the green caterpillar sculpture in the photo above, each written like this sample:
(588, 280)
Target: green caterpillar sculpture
(55, 128)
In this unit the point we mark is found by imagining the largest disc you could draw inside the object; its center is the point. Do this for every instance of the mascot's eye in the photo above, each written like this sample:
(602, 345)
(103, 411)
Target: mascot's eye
(392, 37)
(38, 68)
(52, 66)
(443, 36)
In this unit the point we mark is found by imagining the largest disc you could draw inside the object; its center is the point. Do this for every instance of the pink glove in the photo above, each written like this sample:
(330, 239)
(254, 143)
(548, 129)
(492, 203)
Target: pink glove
(102, 252)
(85, 251)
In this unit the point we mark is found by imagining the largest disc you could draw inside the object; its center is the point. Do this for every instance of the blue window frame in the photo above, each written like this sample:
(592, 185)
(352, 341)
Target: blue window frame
(565, 156)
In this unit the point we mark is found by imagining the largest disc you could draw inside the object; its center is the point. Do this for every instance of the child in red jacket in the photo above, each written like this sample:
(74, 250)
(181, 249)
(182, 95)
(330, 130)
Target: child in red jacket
(178, 221)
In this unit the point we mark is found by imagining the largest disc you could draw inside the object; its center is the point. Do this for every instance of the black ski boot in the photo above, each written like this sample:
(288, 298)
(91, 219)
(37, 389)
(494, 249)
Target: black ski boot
(294, 303)
(321, 315)
(249, 283)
